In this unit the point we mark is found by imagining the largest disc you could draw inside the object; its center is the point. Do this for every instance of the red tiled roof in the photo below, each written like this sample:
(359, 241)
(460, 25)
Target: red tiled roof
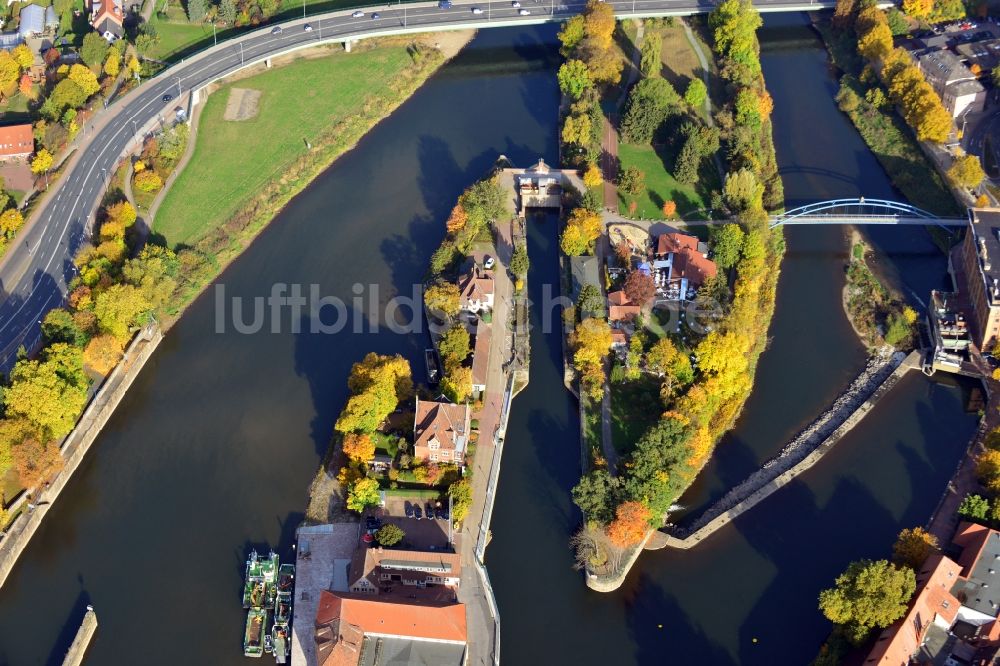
(933, 598)
(444, 422)
(971, 537)
(623, 312)
(106, 9)
(617, 298)
(475, 286)
(675, 242)
(688, 262)
(16, 140)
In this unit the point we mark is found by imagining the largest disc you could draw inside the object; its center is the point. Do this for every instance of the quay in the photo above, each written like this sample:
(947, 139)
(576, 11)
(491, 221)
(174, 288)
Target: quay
(74, 657)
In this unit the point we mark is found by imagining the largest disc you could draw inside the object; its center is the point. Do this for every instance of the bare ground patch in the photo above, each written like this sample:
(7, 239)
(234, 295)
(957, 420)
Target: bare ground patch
(242, 104)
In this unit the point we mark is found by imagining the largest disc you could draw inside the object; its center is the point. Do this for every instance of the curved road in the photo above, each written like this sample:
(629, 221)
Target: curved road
(34, 275)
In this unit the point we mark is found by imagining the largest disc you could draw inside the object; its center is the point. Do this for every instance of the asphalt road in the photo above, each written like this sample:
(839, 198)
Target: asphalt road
(33, 279)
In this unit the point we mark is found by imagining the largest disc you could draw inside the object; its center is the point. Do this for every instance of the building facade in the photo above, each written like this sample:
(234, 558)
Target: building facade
(980, 257)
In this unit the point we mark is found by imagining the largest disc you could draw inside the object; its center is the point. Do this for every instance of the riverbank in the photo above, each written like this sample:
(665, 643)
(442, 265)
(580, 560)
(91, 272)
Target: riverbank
(297, 141)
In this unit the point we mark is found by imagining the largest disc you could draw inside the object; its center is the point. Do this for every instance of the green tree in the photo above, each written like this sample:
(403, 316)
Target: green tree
(650, 102)
(734, 26)
(897, 23)
(650, 63)
(67, 95)
(595, 494)
(574, 78)
(389, 535)
(631, 180)
(228, 11)
(444, 258)
(519, 260)
(590, 301)
(869, 595)
(454, 347)
(94, 49)
(154, 272)
(743, 191)
(696, 93)
(974, 507)
(572, 33)
(727, 244)
(196, 10)
(59, 326)
(362, 494)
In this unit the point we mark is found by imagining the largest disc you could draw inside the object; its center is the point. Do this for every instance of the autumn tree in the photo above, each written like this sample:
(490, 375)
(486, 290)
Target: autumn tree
(639, 287)
(86, 79)
(669, 209)
(967, 171)
(389, 535)
(460, 493)
(592, 176)
(10, 72)
(442, 297)
(869, 595)
(457, 384)
(148, 181)
(671, 363)
(734, 26)
(11, 222)
(913, 546)
(454, 347)
(582, 228)
(50, 391)
(875, 43)
(918, 9)
(103, 353)
(23, 56)
(591, 342)
(631, 524)
(743, 191)
(362, 494)
(378, 383)
(457, 219)
(113, 64)
(36, 461)
(42, 161)
(631, 180)
(119, 309)
(988, 469)
(154, 272)
(359, 447)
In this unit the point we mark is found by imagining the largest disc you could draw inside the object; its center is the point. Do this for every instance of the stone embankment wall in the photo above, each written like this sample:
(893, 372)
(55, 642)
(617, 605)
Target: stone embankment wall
(77, 443)
(877, 379)
(83, 636)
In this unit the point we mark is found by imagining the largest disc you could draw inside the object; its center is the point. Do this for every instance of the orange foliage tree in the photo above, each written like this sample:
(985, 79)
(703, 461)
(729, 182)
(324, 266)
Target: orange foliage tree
(359, 447)
(630, 524)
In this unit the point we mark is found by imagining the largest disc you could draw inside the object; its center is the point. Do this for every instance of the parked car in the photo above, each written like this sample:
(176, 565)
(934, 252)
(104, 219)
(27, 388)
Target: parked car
(308, 27)
(417, 513)
(358, 14)
(429, 508)
(444, 513)
(477, 10)
(523, 12)
(488, 262)
(276, 30)
(439, 513)
(408, 509)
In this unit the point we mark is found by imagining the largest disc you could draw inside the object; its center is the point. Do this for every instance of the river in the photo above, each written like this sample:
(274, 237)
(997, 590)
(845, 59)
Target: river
(214, 447)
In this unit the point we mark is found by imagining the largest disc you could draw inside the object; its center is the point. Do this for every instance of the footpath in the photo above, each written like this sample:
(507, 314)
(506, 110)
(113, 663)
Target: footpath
(76, 445)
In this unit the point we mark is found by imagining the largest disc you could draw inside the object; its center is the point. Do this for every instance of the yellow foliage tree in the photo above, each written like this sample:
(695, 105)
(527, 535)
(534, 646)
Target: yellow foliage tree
(876, 43)
(982, 201)
(23, 56)
(592, 176)
(599, 24)
(10, 72)
(113, 64)
(42, 162)
(443, 297)
(11, 221)
(913, 546)
(378, 384)
(988, 469)
(457, 384)
(576, 129)
(86, 79)
(967, 171)
(582, 228)
(103, 353)
(918, 9)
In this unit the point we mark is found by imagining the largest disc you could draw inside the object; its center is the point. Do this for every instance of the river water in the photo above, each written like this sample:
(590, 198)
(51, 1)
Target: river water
(214, 447)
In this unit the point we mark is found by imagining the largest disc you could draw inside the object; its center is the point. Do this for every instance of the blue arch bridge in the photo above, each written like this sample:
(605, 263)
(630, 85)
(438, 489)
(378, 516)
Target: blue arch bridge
(862, 211)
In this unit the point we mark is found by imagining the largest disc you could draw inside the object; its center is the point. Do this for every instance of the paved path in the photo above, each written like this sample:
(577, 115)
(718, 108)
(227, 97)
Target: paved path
(609, 165)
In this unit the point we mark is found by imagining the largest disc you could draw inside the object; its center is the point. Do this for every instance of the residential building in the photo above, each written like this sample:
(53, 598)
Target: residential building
(440, 431)
(538, 187)
(954, 83)
(107, 17)
(619, 339)
(16, 142)
(984, 54)
(680, 266)
(476, 290)
(481, 357)
(620, 308)
(382, 571)
(352, 630)
(980, 259)
(952, 618)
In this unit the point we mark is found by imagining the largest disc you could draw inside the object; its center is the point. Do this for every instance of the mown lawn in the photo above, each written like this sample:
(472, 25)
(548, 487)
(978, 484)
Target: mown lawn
(635, 407)
(233, 160)
(660, 185)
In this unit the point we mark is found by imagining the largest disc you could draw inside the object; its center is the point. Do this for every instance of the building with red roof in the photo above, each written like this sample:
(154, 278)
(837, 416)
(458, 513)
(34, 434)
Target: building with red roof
(681, 265)
(440, 431)
(16, 142)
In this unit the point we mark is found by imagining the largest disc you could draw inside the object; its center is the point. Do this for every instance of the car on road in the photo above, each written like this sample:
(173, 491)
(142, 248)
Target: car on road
(444, 4)
(276, 30)
(408, 509)
(308, 27)
(358, 14)
(523, 12)
(376, 16)
(477, 10)
(515, 4)
(417, 512)
(489, 262)
(167, 97)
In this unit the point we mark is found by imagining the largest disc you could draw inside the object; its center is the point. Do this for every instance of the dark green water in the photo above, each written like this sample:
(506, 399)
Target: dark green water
(214, 447)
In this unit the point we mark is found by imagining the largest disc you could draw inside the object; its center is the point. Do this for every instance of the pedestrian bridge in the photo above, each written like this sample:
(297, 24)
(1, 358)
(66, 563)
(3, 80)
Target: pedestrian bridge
(862, 211)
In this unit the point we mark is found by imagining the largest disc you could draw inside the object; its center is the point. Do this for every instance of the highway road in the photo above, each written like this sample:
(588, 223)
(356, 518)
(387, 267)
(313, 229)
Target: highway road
(34, 276)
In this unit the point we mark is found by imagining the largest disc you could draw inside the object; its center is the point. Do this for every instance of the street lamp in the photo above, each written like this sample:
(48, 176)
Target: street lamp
(215, 40)
(303, 8)
(178, 79)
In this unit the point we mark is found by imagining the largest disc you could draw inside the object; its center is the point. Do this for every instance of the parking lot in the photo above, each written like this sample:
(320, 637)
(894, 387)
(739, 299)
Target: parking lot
(421, 534)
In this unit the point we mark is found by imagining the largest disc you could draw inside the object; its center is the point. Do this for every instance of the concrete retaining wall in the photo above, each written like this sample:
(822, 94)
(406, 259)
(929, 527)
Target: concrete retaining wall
(83, 637)
(78, 442)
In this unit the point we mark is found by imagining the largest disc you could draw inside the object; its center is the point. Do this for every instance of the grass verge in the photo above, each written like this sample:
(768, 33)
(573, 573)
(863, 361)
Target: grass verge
(660, 186)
